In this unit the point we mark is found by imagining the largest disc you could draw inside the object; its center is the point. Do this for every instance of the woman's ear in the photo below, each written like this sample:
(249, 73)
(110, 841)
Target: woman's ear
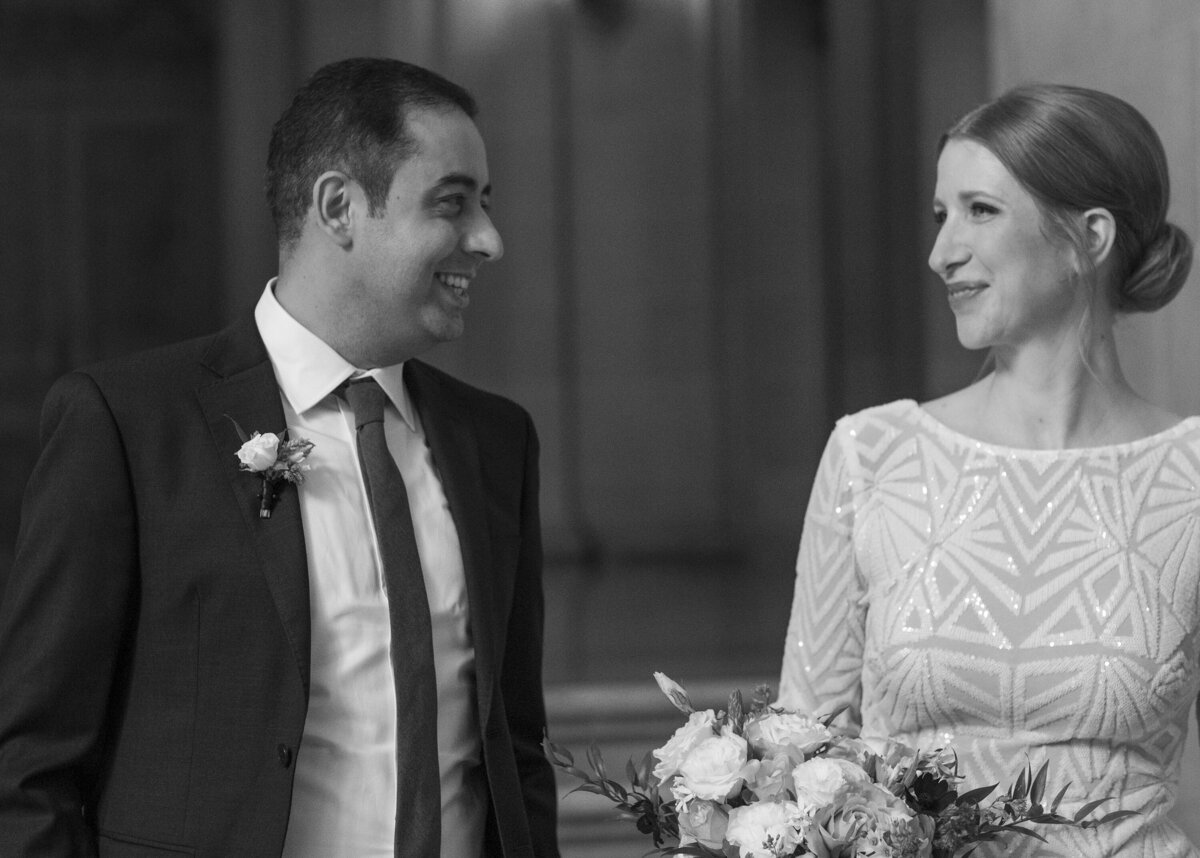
(1100, 229)
(331, 206)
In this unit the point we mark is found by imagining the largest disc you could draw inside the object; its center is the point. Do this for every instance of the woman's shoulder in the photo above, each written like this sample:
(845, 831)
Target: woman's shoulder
(895, 413)
(876, 425)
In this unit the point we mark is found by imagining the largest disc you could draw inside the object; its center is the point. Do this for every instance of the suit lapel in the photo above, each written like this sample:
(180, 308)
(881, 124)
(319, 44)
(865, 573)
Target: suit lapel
(246, 391)
(450, 435)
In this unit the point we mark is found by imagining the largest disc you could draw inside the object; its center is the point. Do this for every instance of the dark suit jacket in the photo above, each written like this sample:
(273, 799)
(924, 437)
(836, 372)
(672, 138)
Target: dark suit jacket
(154, 634)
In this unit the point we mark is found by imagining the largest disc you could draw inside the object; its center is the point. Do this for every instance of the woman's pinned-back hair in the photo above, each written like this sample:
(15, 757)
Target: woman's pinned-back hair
(1075, 149)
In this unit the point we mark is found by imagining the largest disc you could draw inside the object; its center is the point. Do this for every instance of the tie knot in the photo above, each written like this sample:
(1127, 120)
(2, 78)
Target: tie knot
(366, 399)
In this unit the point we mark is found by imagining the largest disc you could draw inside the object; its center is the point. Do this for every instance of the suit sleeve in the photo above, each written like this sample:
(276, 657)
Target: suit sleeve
(522, 671)
(823, 653)
(62, 619)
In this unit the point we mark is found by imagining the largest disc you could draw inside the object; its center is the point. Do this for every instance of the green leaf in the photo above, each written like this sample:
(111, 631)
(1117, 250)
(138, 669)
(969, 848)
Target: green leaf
(1039, 784)
(241, 433)
(577, 773)
(1028, 832)
(1021, 787)
(1107, 818)
(1088, 808)
(646, 770)
(558, 755)
(827, 719)
(1058, 798)
(615, 791)
(976, 795)
(596, 760)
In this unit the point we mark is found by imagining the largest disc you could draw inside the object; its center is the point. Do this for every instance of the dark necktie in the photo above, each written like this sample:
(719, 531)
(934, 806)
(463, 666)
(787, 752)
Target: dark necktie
(418, 788)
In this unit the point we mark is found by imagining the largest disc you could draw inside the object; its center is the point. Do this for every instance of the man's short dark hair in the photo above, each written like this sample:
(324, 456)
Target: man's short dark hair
(349, 116)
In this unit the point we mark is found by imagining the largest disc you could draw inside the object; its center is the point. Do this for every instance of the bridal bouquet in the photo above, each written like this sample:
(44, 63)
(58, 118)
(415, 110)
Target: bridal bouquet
(764, 782)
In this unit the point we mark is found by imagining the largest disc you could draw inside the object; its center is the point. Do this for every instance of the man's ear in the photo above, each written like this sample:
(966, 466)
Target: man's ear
(1101, 233)
(332, 193)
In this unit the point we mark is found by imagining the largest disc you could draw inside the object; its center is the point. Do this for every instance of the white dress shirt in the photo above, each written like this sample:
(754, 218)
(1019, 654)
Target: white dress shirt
(344, 795)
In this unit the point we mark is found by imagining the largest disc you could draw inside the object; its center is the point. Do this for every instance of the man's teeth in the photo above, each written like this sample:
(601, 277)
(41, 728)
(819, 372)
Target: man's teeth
(455, 281)
(965, 288)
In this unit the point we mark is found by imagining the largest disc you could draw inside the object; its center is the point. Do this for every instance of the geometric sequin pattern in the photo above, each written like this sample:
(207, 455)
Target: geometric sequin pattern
(1023, 605)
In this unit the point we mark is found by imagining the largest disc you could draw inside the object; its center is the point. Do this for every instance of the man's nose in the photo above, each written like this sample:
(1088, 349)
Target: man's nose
(483, 239)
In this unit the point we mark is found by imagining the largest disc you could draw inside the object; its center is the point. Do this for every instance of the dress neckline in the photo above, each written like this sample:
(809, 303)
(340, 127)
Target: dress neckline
(1136, 445)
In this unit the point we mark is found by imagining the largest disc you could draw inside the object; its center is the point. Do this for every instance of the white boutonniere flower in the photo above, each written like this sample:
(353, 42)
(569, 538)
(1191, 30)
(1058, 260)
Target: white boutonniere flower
(260, 452)
(277, 459)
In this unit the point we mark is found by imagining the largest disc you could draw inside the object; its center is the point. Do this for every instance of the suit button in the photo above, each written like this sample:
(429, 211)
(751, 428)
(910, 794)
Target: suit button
(285, 755)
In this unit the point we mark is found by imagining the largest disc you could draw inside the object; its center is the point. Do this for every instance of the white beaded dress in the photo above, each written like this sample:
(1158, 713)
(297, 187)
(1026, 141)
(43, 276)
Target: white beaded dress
(1021, 605)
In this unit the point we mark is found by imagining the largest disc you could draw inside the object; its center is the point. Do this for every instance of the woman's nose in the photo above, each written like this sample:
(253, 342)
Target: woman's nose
(947, 252)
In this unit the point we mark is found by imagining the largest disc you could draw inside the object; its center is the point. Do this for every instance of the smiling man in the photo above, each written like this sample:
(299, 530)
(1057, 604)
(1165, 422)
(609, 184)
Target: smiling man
(196, 660)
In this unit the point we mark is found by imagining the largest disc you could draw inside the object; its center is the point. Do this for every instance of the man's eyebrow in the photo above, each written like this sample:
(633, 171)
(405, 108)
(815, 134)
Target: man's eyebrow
(462, 179)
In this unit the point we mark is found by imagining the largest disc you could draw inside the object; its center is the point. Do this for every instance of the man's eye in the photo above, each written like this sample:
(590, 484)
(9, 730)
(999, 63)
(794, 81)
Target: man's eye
(939, 217)
(450, 205)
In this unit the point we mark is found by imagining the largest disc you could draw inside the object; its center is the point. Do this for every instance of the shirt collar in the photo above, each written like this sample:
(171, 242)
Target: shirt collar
(307, 368)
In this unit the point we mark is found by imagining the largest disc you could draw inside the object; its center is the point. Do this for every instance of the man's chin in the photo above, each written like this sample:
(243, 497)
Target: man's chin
(448, 328)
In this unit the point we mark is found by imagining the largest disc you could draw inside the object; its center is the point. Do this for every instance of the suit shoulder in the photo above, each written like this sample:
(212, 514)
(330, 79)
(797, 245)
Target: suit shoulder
(185, 364)
(149, 366)
(482, 402)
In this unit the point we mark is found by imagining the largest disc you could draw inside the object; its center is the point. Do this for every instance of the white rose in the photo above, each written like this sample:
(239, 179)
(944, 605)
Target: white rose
(820, 780)
(716, 767)
(786, 732)
(771, 778)
(864, 814)
(703, 822)
(259, 453)
(765, 829)
(670, 756)
(855, 749)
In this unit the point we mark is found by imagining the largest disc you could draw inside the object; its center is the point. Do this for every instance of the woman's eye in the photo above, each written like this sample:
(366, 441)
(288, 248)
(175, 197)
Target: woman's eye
(982, 210)
(939, 217)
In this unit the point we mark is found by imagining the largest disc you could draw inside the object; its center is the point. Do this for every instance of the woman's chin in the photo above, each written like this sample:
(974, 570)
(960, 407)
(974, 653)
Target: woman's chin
(973, 339)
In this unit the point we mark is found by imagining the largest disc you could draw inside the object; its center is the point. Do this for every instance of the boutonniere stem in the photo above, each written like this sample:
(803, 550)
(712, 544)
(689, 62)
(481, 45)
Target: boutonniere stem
(276, 459)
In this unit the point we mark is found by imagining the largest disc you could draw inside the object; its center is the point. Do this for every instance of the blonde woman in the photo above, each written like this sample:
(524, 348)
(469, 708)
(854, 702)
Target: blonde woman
(1014, 569)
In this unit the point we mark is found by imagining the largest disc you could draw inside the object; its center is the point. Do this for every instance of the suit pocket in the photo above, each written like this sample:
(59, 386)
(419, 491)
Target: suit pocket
(113, 845)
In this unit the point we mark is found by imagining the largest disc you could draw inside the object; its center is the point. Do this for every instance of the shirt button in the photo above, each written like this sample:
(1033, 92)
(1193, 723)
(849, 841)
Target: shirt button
(285, 755)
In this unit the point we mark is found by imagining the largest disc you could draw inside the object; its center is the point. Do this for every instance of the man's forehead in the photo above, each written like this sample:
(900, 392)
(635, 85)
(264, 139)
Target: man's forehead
(447, 148)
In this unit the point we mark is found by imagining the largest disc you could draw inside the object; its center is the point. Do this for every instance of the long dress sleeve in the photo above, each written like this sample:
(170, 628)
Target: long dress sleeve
(822, 661)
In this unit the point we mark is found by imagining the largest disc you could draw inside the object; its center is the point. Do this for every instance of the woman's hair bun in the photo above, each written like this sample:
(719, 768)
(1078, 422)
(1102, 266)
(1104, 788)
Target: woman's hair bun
(1158, 276)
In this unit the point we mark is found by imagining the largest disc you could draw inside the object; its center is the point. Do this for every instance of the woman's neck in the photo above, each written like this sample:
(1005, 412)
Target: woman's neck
(1054, 396)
